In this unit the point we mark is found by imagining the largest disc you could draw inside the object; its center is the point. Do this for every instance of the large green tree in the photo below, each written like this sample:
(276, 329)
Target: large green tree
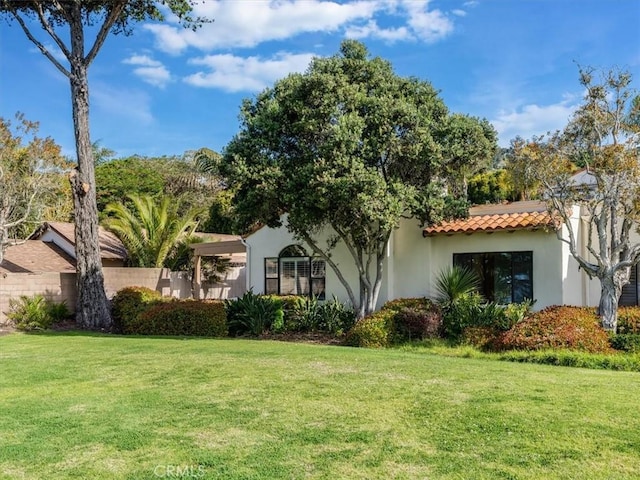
(29, 169)
(347, 147)
(116, 179)
(604, 136)
(78, 18)
(179, 177)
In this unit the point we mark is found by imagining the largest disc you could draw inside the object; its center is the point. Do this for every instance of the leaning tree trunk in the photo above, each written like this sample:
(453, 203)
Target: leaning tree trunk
(92, 308)
(608, 308)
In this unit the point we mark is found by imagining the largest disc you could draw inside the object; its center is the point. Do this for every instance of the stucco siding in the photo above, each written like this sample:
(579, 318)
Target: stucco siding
(269, 242)
(414, 262)
(547, 258)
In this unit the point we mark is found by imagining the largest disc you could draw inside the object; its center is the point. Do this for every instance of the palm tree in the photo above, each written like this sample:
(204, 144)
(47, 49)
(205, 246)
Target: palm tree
(151, 229)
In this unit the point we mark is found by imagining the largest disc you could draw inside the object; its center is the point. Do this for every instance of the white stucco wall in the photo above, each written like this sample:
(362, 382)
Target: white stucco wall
(547, 258)
(414, 262)
(268, 242)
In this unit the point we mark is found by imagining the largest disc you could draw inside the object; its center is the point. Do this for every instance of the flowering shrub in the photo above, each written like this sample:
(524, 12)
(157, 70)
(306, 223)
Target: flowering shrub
(576, 328)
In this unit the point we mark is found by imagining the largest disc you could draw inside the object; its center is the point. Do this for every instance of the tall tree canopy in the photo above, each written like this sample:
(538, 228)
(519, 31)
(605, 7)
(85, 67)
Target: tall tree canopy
(604, 136)
(351, 147)
(78, 18)
(29, 170)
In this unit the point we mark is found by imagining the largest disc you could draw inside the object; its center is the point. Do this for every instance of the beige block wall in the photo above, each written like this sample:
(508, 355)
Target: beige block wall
(61, 287)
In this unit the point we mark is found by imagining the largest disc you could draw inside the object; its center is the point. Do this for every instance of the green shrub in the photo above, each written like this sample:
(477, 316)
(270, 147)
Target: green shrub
(629, 320)
(461, 313)
(130, 302)
(627, 342)
(470, 311)
(254, 314)
(375, 331)
(36, 312)
(306, 315)
(575, 328)
(336, 318)
(181, 317)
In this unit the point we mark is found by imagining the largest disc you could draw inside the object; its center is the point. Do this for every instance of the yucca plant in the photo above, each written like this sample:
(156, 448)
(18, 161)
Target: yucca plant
(455, 282)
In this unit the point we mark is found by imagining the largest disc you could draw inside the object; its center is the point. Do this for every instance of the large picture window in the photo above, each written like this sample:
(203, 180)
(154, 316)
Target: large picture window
(294, 272)
(505, 277)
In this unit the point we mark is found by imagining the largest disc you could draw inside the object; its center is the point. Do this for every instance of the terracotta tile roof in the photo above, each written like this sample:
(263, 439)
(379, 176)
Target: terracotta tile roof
(110, 246)
(529, 215)
(34, 256)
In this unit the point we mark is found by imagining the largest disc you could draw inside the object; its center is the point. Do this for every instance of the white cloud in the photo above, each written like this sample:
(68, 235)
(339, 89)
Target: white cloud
(428, 25)
(459, 13)
(149, 70)
(247, 24)
(532, 119)
(118, 102)
(372, 30)
(234, 74)
(54, 50)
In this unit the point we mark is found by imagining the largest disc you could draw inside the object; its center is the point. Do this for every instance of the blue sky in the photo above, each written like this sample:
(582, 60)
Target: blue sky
(166, 90)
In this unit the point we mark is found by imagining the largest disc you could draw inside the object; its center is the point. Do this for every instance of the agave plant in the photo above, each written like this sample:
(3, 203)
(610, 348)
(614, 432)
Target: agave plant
(455, 282)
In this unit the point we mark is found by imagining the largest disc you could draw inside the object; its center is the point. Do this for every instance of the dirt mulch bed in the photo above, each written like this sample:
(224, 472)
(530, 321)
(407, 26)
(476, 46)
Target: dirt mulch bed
(6, 329)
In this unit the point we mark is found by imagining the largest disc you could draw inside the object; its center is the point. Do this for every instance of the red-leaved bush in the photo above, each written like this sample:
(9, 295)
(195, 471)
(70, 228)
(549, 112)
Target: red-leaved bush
(575, 328)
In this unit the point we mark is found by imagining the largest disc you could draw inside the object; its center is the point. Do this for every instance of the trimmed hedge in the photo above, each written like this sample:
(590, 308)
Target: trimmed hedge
(181, 317)
(130, 302)
(558, 327)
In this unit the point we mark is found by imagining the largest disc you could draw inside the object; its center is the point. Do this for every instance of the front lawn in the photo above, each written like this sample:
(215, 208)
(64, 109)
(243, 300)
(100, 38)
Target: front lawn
(91, 406)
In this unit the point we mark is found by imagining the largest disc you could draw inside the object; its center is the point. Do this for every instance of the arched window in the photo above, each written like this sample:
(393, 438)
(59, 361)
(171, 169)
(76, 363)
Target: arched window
(294, 272)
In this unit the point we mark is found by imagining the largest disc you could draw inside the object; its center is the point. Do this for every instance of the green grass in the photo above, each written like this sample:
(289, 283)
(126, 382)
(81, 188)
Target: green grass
(84, 406)
(616, 360)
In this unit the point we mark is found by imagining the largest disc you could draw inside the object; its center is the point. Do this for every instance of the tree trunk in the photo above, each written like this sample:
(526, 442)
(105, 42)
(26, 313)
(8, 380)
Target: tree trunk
(608, 308)
(92, 308)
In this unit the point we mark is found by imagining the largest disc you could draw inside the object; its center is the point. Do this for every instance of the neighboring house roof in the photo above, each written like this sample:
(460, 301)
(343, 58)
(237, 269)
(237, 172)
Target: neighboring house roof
(63, 235)
(35, 256)
(233, 249)
(530, 215)
(216, 237)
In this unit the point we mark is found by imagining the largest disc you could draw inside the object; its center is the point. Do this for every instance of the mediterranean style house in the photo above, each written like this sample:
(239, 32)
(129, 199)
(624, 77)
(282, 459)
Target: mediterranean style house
(513, 248)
